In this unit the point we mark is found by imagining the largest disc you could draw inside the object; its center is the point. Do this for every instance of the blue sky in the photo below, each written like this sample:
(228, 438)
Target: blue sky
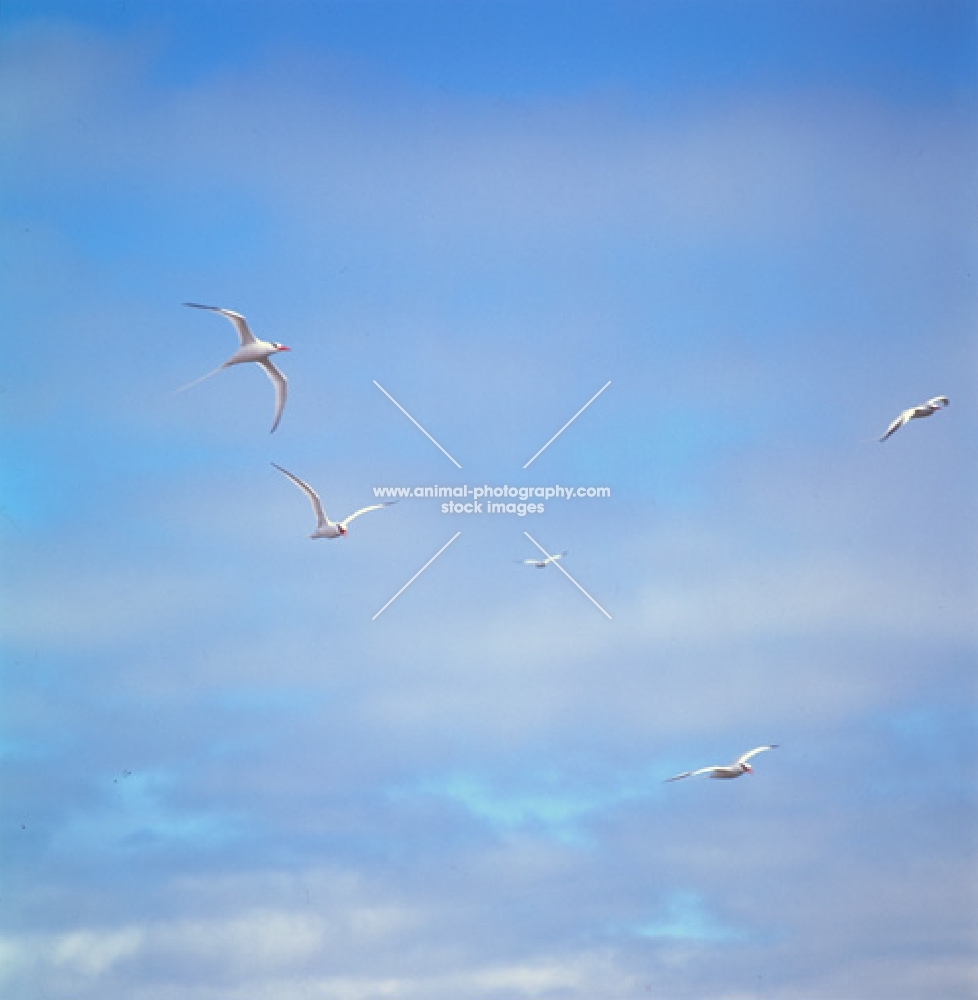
(220, 777)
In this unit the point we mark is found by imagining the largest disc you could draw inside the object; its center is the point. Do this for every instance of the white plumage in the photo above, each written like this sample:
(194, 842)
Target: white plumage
(734, 770)
(325, 528)
(541, 563)
(251, 349)
(915, 412)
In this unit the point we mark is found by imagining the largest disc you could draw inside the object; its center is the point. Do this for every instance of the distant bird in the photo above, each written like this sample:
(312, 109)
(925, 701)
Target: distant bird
(325, 528)
(251, 349)
(734, 770)
(541, 563)
(924, 410)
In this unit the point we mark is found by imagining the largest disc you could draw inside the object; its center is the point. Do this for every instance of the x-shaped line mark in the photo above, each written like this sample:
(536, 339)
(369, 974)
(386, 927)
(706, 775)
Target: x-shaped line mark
(457, 533)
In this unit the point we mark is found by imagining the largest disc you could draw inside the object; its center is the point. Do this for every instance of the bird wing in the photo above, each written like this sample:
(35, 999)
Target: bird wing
(532, 562)
(363, 510)
(240, 323)
(317, 506)
(743, 758)
(690, 774)
(897, 424)
(281, 389)
(549, 559)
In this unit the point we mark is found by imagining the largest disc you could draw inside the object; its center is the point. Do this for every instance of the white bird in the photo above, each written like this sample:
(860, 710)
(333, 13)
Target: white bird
(924, 410)
(325, 528)
(251, 349)
(541, 563)
(734, 770)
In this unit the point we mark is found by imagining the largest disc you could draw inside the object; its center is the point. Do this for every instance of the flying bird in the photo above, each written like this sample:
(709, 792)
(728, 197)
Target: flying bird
(325, 528)
(734, 770)
(251, 349)
(541, 563)
(924, 410)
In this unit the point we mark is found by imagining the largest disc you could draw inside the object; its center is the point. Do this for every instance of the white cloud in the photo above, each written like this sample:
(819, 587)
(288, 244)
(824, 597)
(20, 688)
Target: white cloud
(93, 953)
(775, 603)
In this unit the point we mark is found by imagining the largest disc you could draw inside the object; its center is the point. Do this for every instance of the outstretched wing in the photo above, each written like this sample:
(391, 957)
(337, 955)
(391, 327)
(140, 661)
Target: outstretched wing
(543, 562)
(240, 323)
(317, 507)
(743, 758)
(897, 424)
(281, 390)
(690, 774)
(363, 510)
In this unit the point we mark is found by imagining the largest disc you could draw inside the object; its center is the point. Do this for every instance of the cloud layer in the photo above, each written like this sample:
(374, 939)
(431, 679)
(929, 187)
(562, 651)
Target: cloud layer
(221, 778)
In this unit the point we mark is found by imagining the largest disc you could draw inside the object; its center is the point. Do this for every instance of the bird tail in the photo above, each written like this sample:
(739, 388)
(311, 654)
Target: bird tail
(197, 381)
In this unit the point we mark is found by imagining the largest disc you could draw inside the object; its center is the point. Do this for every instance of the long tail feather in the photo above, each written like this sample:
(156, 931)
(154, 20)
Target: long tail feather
(197, 381)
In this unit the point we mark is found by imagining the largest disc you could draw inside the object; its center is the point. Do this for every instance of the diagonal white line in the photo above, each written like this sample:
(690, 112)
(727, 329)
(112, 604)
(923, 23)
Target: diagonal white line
(416, 575)
(569, 422)
(564, 571)
(416, 424)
